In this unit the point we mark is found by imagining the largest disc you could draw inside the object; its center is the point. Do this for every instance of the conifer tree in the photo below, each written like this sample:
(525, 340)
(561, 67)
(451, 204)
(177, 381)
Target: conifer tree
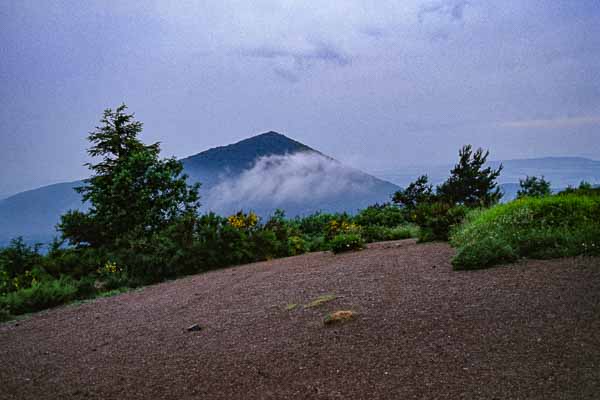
(132, 193)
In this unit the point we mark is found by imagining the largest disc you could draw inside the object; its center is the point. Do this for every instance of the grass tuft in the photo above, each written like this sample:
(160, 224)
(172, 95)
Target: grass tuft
(319, 301)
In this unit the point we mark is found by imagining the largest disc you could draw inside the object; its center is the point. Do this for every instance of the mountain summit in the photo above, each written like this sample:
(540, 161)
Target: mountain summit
(248, 150)
(209, 167)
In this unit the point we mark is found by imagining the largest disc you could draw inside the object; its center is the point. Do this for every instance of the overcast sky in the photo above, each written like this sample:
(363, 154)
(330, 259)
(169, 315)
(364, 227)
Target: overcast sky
(376, 84)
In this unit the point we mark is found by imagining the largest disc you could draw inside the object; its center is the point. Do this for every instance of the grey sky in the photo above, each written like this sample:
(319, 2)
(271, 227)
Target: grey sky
(377, 85)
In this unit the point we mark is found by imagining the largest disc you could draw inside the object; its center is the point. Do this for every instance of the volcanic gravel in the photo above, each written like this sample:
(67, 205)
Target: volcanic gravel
(421, 331)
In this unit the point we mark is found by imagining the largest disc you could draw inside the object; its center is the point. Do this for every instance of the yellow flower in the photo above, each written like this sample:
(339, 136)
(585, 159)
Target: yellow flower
(241, 220)
(110, 268)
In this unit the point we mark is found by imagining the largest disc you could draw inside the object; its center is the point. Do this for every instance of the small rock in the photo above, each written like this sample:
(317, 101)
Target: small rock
(194, 328)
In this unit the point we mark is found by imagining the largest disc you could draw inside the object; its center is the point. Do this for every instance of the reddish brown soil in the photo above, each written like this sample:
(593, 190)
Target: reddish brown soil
(525, 331)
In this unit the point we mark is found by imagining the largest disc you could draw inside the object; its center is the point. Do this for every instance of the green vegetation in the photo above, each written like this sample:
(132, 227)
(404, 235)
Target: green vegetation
(347, 242)
(40, 295)
(437, 218)
(140, 204)
(532, 186)
(469, 186)
(567, 224)
(319, 301)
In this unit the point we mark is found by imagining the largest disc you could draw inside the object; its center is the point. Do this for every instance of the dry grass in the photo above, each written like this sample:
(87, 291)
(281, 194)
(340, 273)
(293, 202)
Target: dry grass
(339, 317)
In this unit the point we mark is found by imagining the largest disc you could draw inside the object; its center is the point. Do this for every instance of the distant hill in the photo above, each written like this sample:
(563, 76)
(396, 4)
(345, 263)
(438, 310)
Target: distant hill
(560, 171)
(34, 213)
(262, 173)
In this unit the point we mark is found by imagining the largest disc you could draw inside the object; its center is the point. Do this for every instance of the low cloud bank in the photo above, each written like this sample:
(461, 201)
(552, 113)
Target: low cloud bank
(276, 181)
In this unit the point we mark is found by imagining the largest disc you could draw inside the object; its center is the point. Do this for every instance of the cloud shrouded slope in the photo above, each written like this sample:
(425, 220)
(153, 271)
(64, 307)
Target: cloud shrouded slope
(300, 183)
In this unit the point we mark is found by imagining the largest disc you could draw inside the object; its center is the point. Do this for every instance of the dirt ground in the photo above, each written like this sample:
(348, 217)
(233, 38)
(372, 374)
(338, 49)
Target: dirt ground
(420, 331)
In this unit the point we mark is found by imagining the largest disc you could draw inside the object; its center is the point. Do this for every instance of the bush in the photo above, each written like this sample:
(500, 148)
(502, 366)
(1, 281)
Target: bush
(40, 296)
(386, 215)
(437, 219)
(18, 258)
(347, 242)
(544, 227)
(317, 223)
(264, 246)
(377, 233)
(484, 253)
(74, 262)
(25, 280)
(584, 188)
(532, 186)
(316, 243)
(297, 245)
(113, 276)
(340, 226)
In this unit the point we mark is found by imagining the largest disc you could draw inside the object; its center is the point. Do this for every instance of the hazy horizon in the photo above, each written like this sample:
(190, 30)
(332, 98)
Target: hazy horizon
(376, 86)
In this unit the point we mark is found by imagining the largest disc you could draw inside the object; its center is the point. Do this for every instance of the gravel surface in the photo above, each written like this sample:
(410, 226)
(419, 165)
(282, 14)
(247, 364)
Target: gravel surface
(420, 330)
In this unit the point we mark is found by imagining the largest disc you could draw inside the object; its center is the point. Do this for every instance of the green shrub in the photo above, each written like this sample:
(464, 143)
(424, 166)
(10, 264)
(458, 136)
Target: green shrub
(386, 215)
(74, 262)
(287, 240)
(484, 253)
(40, 296)
(343, 225)
(316, 243)
(377, 233)
(265, 246)
(22, 281)
(18, 258)
(317, 223)
(347, 242)
(437, 219)
(532, 186)
(545, 227)
(297, 245)
(584, 188)
(112, 276)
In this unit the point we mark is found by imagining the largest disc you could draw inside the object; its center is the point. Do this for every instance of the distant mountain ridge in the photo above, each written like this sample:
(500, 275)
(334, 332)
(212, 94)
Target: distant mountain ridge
(34, 213)
(262, 173)
(560, 171)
